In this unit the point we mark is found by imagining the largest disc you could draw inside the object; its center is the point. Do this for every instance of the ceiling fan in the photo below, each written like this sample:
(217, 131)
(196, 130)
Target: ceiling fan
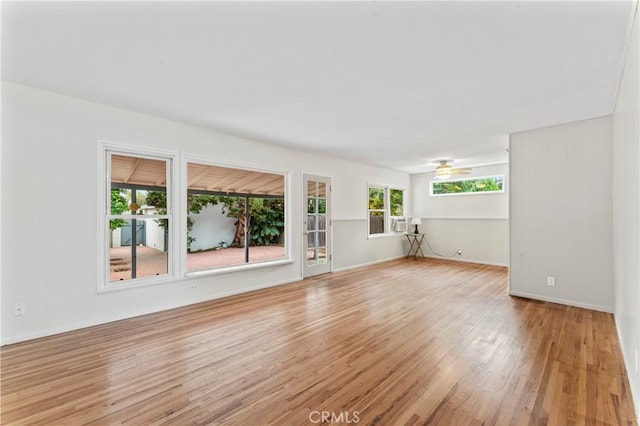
(444, 170)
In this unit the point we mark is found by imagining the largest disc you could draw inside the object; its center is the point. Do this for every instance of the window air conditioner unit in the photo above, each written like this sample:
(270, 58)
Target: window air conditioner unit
(400, 224)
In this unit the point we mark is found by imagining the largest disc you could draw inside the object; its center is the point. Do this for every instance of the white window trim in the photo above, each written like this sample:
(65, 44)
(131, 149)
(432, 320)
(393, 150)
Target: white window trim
(235, 268)
(104, 147)
(193, 158)
(504, 185)
(387, 210)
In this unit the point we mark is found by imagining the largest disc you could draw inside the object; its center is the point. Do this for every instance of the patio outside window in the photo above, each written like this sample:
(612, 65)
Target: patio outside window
(235, 216)
(138, 217)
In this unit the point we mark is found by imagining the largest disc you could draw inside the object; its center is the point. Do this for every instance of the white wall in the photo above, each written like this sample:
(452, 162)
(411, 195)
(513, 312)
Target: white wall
(481, 240)
(626, 212)
(50, 146)
(476, 223)
(349, 251)
(561, 214)
(211, 226)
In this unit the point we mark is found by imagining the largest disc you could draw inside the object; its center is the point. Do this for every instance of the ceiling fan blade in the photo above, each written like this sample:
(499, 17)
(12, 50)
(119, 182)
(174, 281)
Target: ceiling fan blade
(445, 169)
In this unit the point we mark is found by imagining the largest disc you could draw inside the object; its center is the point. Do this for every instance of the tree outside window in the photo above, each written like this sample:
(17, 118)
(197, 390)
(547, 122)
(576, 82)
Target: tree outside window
(396, 202)
(466, 186)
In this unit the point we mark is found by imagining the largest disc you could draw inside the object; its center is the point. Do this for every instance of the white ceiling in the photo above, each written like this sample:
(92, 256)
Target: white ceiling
(396, 84)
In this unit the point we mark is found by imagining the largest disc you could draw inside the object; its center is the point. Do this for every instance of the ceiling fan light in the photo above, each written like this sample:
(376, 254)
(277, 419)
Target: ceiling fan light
(443, 176)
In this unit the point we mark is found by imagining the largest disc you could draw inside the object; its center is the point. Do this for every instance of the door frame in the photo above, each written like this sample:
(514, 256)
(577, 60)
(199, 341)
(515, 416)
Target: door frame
(329, 214)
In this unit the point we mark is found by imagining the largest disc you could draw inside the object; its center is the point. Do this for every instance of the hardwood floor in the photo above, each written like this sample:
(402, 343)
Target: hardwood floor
(404, 342)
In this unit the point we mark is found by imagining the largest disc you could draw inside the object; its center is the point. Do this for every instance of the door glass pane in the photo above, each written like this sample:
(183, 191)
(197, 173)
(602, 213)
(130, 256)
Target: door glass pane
(322, 255)
(311, 222)
(311, 189)
(316, 226)
(322, 189)
(322, 239)
(322, 206)
(311, 257)
(311, 239)
(322, 223)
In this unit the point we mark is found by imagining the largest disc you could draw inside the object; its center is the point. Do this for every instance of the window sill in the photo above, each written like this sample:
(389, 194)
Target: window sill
(236, 268)
(153, 281)
(377, 236)
(141, 282)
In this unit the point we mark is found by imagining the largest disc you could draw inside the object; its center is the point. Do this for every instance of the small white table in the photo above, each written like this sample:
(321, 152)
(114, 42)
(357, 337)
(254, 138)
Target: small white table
(415, 242)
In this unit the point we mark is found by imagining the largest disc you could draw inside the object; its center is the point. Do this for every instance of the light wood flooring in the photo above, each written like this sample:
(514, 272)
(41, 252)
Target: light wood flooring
(403, 342)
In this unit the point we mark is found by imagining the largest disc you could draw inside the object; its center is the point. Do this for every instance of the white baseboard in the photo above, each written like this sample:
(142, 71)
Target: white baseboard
(562, 301)
(360, 265)
(459, 259)
(91, 323)
(629, 366)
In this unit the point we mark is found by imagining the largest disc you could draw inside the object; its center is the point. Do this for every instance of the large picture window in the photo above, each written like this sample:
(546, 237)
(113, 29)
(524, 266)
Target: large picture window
(138, 217)
(235, 216)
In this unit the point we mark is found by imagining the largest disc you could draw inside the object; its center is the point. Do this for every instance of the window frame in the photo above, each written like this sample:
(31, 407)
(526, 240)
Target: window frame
(177, 208)
(105, 151)
(384, 210)
(388, 218)
(504, 184)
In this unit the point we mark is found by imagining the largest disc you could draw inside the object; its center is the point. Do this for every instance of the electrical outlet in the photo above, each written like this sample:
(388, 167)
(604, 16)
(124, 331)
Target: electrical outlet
(459, 252)
(551, 281)
(19, 309)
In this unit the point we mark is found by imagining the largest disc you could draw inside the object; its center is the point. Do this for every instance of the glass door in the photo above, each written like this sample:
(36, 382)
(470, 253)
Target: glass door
(317, 226)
